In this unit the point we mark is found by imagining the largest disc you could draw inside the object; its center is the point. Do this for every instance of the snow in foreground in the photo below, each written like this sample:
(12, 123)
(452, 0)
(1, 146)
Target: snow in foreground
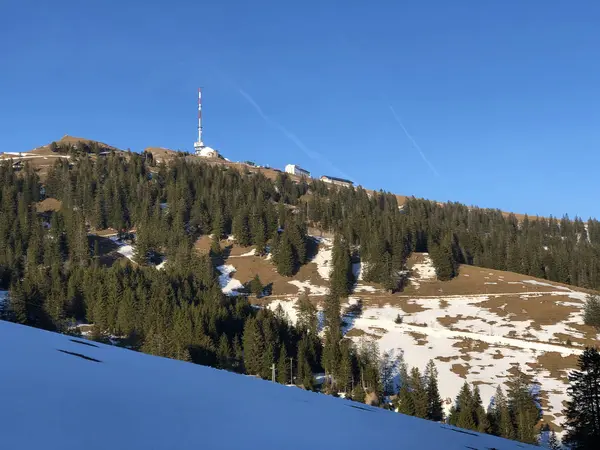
(123, 399)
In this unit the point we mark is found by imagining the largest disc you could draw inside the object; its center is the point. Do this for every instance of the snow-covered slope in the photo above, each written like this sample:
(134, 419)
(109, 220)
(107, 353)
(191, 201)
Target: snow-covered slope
(59, 392)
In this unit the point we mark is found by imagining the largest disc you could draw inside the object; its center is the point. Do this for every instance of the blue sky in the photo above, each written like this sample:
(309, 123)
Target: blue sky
(500, 100)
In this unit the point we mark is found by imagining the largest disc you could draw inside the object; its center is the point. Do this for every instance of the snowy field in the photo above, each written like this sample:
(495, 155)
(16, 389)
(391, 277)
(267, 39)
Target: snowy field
(466, 337)
(102, 397)
(478, 337)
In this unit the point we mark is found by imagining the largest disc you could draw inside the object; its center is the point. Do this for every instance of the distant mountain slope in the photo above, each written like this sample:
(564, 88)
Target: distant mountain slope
(42, 158)
(60, 392)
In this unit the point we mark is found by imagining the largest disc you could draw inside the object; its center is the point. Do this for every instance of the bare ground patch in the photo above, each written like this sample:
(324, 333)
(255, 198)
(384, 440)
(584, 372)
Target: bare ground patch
(460, 369)
(420, 338)
(48, 205)
(467, 345)
(473, 279)
(557, 364)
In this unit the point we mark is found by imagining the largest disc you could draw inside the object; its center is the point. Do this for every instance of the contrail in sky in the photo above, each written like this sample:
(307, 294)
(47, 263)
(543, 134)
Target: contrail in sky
(433, 169)
(291, 136)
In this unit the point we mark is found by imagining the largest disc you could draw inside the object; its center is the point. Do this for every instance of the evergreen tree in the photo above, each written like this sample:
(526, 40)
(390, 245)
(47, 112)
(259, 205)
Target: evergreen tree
(241, 228)
(224, 352)
(591, 314)
(283, 373)
(405, 400)
(256, 286)
(307, 314)
(502, 417)
(253, 347)
(583, 409)
(344, 379)
(333, 335)
(341, 277)
(419, 393)
(462, 413)
(523, 405)
(284, 257)
(481, 418)
(215, 246)
(435, 409)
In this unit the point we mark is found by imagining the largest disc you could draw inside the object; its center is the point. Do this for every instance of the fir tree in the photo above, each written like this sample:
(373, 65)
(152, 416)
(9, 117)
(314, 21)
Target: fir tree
(481, 418)
(523, 405)
(502, 417)
(215, 246)
(333, 335)
(462, 413)
(435, 409)
(341, 277)
(284, 257)
(256, 286)
(583, 409)
(307, 314)
(283, 373)
(591, 314)
(419, 393)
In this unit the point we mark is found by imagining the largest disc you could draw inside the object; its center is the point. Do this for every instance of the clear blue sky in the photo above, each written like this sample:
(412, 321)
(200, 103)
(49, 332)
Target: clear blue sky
(501, 98)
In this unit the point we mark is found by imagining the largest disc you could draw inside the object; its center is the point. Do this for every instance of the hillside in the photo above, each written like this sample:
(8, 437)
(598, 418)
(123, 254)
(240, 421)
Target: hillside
(42, 158)
(240, 267)
(476, 327)
(106, 397)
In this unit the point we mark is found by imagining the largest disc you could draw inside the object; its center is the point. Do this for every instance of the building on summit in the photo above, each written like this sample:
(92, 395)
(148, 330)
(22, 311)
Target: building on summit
(337, 181)
(297, 170)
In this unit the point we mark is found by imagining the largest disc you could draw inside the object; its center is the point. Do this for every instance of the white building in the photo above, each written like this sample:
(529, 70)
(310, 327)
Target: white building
(297, 170)
(336, 181)
(207, 152)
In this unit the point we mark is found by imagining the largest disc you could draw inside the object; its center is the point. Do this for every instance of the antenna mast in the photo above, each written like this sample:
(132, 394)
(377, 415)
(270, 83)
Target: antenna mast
(199, 145)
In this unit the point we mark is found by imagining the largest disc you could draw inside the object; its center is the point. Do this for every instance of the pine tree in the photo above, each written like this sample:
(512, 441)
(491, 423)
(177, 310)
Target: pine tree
(344, 378)
(307, 314)
(583, 409)
(259, 235)
(223, 352)
(502, 417)
(284, 257)
(591, 314)
(283, 373)
(523, 405)
(419, 393)
(333, 335)
(435, 409)
(462, 413)
(215, 246)
(253, 347)
(256, 286)
(405, 400)
(480, 416)
(341, 277)
(241, 228)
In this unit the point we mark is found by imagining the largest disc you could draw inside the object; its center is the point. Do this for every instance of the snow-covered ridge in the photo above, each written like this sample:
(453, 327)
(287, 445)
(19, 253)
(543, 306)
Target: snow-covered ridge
(134, 400)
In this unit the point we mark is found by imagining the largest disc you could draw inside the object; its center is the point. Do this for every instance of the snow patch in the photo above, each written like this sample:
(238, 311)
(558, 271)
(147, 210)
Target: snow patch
(323, 257)
(424, 271)
(288, 307)
(228, 284)
(314, 290)
(541, 283)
